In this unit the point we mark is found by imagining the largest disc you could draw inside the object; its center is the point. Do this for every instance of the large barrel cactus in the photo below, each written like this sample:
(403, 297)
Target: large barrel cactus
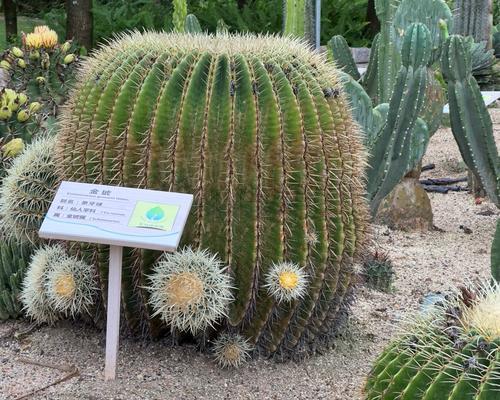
(453, 352)
(257, 128)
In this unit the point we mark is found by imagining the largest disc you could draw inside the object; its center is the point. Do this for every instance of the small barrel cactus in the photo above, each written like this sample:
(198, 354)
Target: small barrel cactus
(451, 352)
(257, 128)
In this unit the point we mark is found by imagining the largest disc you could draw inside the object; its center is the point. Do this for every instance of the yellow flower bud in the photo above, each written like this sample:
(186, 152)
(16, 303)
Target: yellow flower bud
(34, 107)
(23, 115)
(9, 95)
(21, 63)
(69, 59)
(40, 80)
(5, 113)
(4, 64)
(66, 46)
(45, 63)
(34, 55)
(13, 148)
(22, 98)
(17, 52)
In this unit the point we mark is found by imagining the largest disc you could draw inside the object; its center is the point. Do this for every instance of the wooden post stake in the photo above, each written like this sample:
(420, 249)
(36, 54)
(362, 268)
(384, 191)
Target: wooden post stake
(113, 311)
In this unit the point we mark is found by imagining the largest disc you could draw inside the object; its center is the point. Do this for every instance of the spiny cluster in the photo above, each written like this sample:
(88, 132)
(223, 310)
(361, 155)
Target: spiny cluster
(286, 281)
(190, 290)
(231, 350)
(57, 285)
(28, 189)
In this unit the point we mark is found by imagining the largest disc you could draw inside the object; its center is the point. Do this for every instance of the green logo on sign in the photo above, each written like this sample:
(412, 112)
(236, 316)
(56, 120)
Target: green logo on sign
(153, 215)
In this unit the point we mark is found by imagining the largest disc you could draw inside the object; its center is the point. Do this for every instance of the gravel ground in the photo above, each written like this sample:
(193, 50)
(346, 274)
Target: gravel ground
(424, 262)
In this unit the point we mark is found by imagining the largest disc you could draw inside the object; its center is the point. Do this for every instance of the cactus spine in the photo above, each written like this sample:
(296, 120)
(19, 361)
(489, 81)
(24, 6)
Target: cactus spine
(298, 19)
(339, 51)
(470, 121)
(258, 130)
(179, 15)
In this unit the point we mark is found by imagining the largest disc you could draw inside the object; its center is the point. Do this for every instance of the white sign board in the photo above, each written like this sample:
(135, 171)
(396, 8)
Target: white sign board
(489, 97)
(117, 216)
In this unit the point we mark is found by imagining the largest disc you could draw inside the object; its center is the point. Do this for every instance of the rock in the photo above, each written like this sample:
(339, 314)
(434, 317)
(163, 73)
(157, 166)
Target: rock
(406, 208)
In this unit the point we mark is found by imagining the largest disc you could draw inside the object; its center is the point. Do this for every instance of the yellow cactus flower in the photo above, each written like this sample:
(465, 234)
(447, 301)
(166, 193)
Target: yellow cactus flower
(13, 148)
(40, 80)
(21, 63)
(42, 36)
(4, 64)
(41, 29)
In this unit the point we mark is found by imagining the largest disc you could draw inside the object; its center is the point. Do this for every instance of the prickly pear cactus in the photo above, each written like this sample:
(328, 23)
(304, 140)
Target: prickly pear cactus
(257, 128)
(453, 352)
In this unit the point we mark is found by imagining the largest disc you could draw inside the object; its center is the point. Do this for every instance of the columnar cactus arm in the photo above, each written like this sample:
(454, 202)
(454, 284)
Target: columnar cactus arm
(470, 121)
(474, 18)
(192, 25)
(391, 150)
(340, 53)
(179, 15)
(495, 254)
(298, 19)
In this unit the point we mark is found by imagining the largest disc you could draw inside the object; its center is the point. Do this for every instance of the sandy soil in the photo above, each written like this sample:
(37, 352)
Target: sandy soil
(424, 262)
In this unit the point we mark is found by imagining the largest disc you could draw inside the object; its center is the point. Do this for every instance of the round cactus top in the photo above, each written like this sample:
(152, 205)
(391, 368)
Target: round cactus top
(264, 47)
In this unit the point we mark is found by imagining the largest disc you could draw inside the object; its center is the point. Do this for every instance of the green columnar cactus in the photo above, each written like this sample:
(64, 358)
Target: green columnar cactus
(381, 77)
(452, 352)
(470, 121)
(474, 18)
(179, 15)
(14, 258)
(391, 149)
(340, 53)
(428, 12)
(495, 254)
(298, 19)
(192, 25)
(257, 128)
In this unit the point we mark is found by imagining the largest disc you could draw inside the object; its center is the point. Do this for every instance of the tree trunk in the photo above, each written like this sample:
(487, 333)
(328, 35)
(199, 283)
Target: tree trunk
(79, 22)
(10, 12)
(371, 16)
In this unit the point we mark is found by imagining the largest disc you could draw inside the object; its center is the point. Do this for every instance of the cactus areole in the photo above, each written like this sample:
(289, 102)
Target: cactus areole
(258, 130)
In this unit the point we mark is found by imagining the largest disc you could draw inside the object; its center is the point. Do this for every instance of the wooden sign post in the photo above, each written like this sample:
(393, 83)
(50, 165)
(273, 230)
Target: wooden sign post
(119, 217)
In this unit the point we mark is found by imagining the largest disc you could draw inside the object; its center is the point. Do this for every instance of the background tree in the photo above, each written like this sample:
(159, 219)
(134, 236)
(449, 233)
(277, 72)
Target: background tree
(79, 21)
(10, 13)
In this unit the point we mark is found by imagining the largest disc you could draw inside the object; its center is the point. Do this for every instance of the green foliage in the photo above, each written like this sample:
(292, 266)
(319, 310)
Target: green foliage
(378, 272)
(470, 121)
(257, 130)
(451, 352)
(14, 259)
